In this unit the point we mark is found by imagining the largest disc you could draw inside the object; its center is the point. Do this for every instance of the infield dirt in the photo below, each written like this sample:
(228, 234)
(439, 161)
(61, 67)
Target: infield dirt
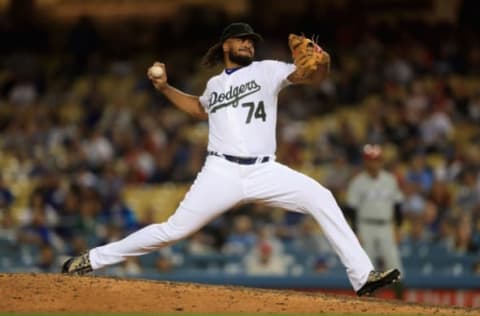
(59, 293)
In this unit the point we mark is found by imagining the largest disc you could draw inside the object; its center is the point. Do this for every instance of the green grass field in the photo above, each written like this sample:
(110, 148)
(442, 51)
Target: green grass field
(195, 314)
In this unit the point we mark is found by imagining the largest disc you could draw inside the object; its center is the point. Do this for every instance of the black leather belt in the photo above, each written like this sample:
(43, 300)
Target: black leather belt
(240, 160)
(374, 221)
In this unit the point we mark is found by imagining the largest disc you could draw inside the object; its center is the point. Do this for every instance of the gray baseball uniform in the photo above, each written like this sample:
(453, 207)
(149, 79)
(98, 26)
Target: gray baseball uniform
(374, 200)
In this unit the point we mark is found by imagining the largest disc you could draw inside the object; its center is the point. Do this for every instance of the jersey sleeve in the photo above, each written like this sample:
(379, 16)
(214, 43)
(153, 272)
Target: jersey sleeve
(277, 72)
(204, 97)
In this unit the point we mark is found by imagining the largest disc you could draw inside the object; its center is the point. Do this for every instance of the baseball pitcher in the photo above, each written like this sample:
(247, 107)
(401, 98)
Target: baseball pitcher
(240, 104)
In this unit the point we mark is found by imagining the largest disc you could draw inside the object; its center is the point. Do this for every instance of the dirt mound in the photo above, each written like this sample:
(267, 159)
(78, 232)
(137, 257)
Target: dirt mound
(58, 293)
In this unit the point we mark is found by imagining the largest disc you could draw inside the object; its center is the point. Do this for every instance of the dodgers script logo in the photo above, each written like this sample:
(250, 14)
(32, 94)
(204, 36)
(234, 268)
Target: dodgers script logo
(232, 96)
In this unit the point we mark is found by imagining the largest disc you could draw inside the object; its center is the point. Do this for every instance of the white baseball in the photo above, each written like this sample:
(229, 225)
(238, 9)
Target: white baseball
(156, 71)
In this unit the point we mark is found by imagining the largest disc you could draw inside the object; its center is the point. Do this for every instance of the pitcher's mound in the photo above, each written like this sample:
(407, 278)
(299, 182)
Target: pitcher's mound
(59, 293)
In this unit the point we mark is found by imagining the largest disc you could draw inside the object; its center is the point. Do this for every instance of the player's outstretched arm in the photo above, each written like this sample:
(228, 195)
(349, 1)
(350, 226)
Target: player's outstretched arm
(188, 103)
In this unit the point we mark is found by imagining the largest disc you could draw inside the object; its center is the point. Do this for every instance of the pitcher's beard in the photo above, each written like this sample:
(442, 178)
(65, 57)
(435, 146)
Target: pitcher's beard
(241, 60)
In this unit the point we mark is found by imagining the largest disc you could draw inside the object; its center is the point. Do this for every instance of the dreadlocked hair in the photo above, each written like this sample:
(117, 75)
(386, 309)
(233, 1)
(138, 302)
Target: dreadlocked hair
(213, 56)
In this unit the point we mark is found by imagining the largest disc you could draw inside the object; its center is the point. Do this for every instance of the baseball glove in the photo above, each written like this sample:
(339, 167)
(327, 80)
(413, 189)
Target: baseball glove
(306, 54)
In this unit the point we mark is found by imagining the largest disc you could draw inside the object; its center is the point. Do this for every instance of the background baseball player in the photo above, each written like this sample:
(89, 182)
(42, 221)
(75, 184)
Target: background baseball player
(375, 197)
(241, 106)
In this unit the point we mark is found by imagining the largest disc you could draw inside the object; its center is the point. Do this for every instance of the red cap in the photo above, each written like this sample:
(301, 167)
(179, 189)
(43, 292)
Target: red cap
(265, 247)
(372, 152)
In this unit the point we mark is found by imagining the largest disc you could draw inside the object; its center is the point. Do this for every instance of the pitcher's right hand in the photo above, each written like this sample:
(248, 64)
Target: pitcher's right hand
(159, 82)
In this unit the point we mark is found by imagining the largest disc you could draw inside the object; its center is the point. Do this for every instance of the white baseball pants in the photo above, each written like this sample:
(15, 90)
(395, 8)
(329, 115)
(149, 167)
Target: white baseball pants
(222, 184)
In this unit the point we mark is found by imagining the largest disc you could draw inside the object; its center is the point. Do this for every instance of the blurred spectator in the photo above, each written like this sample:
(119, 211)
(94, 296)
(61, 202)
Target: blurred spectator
(467, 197)
(263, 260)
(6, 196)
(98, 149)
(8, 226)
(402, 132)
(290, 146)
(420, 173)
(39, 208)
(78, 245)
(163, 264)
(441, 197)
(168, 260)
(162, 169)
(23, 94)
(474, 108)
(476, 268)
(119, 215)
(111, 233)
(200, 243)
(414, 202)
(38, 232)
(242, 237)
(464, 243)
(417, 102)
(337, 174)
(398, 70)
(321, 265)
(288, 226)
(436, 130)
(347, 141)
(430, 218)
(446, 232)
(267, 233)
(46, 259)
(418, 235)
(131, 267)
(69, 213)
(88, 222)
(376, 129)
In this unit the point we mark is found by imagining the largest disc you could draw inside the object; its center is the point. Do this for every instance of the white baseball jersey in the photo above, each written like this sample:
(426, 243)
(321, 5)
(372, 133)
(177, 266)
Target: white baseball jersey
(242, 108)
